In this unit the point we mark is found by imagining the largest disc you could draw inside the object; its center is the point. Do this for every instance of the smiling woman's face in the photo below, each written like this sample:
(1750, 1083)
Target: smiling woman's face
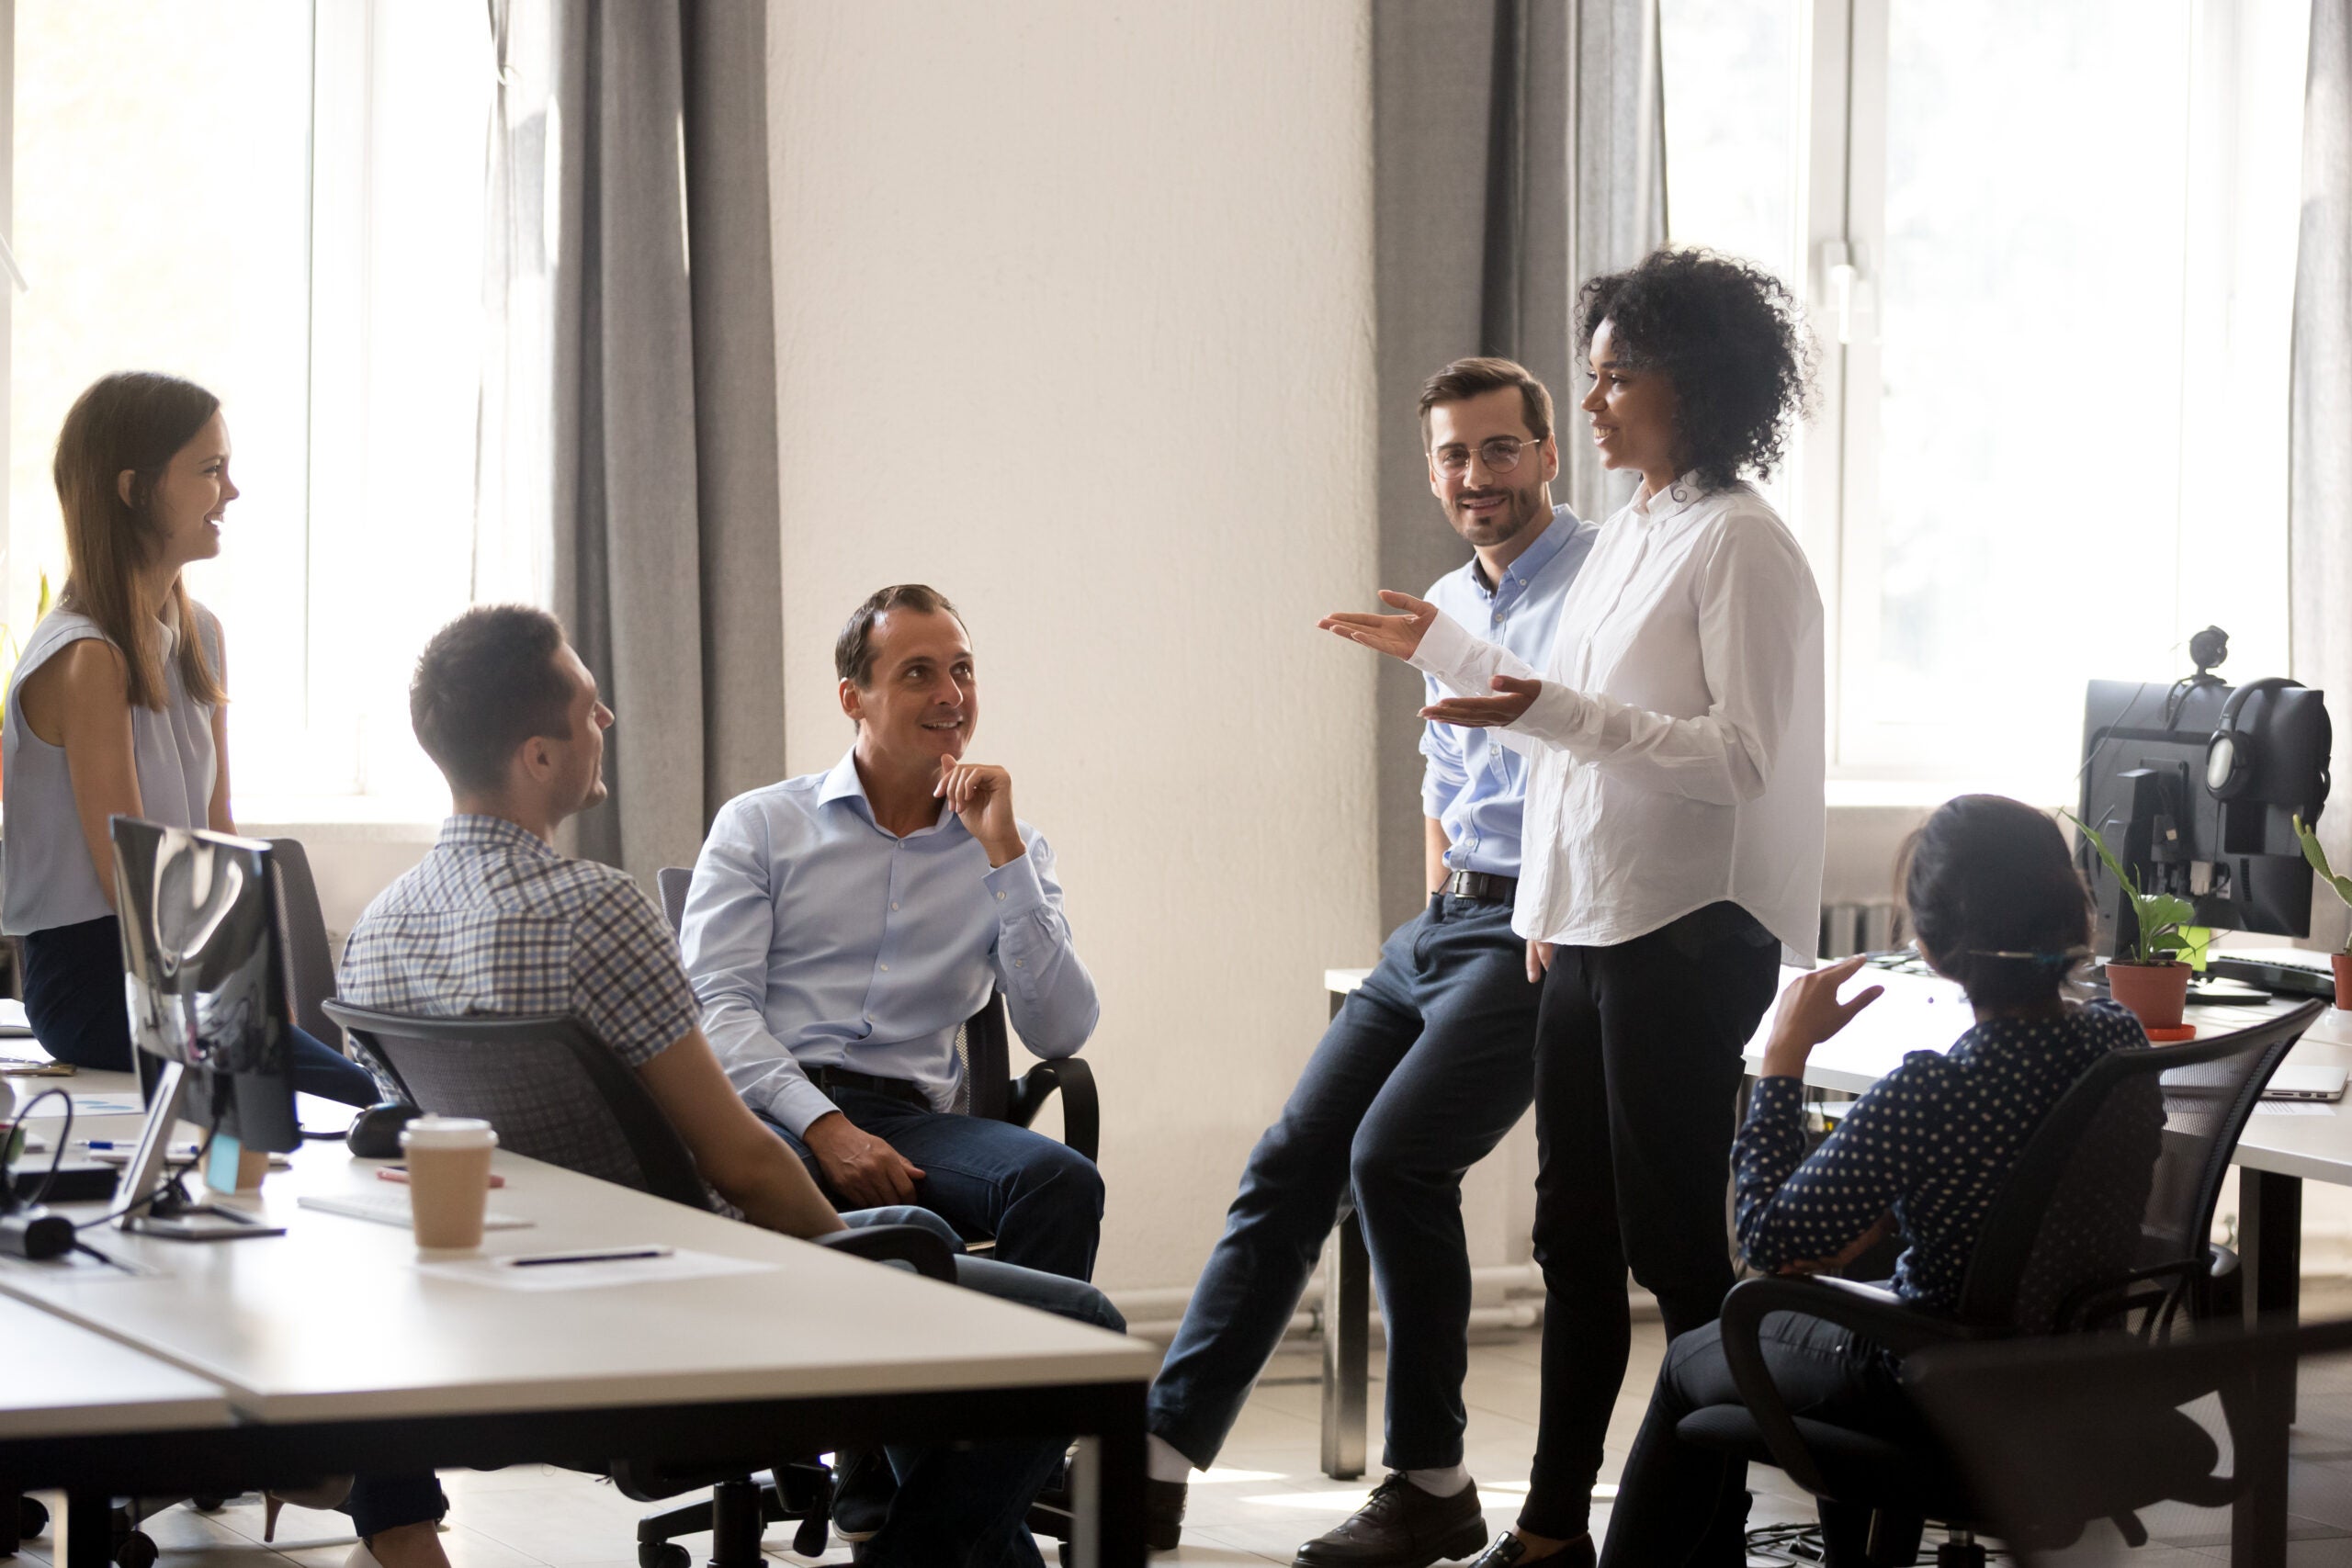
(1631, 410)
(191, 498)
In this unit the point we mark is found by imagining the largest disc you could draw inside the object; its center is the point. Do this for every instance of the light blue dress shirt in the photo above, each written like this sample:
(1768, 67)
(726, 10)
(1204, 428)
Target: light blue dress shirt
(814, 938)
(1475, 787)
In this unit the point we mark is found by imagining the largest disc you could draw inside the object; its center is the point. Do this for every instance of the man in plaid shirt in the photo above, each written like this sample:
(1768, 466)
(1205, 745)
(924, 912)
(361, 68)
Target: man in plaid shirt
(495, 920)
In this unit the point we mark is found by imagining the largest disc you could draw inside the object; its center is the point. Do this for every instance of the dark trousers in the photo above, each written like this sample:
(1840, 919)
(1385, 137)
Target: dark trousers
(1637, 1071)
(1682, 1506)
(1040, 1198)
(74, 1000)
(1418, 1078)
(378, 1503)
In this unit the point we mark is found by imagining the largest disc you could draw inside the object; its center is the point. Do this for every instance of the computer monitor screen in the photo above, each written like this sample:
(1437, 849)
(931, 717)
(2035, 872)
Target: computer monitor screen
(2143, 788)
(204, 973)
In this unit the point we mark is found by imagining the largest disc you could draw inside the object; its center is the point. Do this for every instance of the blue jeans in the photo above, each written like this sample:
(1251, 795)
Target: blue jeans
(74, 1000)
(964, 1504)
(1424, 1070)
(1042, 1200)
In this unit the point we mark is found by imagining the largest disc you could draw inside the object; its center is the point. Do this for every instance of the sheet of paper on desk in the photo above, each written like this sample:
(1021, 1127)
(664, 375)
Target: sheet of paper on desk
(2294, 1108)
(681, 1264)
(107, 1105)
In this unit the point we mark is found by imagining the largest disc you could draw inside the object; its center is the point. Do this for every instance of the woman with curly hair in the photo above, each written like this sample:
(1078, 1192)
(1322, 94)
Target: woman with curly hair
(1674, 825)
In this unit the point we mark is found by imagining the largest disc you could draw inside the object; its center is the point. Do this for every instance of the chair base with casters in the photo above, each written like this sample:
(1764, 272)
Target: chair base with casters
(737, 1513)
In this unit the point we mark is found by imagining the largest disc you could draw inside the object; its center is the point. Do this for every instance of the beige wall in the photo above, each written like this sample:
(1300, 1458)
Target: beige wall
(1074, 309)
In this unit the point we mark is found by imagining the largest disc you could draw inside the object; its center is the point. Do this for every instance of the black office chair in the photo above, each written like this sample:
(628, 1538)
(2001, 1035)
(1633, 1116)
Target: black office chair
(983, 1048)
(2050, 1432)
(585, 1112)
(309, 958)
(2102, 1223)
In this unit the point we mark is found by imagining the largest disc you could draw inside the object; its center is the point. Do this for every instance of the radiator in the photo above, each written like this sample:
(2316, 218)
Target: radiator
(1851, 928)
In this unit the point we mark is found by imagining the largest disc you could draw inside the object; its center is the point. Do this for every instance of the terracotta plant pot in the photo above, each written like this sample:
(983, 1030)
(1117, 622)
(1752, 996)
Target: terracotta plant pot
(2343, 962)
(2157, 992)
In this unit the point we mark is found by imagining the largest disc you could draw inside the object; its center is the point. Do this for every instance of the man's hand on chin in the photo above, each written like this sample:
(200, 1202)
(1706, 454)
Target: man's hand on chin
(981, 797)
(861, 1168)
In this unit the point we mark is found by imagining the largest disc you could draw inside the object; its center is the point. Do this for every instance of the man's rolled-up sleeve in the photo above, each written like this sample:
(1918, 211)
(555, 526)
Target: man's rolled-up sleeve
(729, 927)
(1046, 986)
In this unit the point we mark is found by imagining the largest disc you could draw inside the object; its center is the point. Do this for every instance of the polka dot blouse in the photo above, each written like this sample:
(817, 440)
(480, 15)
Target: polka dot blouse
(1932, 1142)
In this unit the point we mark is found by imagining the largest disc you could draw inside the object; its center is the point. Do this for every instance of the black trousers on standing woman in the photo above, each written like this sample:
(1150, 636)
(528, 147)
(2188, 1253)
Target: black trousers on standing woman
(1637, 1071)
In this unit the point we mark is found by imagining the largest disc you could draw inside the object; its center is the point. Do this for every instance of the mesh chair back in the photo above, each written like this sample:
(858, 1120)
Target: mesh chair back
(309, 962)
(552, 1090)
(2193, 1443)
(2122, 1180)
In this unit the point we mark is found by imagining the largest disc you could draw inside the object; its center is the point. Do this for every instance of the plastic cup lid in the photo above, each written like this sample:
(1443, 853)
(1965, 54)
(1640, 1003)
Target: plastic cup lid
(449, 1132)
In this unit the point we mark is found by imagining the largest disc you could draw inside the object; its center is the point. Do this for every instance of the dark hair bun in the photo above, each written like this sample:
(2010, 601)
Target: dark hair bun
(1994, 897)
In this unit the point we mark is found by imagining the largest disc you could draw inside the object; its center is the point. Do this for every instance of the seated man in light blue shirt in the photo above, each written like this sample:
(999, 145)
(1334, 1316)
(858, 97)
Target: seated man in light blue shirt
(841, 925)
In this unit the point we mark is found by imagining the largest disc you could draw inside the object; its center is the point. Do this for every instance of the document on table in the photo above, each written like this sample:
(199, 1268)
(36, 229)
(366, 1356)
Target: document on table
(668, 1268)
(107, 1105)
(2294, 1108)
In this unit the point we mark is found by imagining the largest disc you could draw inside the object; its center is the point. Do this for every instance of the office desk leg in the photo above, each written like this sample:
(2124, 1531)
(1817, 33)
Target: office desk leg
(89, 1531)
(1347, 1347)
(2270, 1229)
(1106, 1486)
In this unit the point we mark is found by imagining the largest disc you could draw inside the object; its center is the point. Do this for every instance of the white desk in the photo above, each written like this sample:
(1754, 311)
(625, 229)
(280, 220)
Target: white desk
(2275, 1156)
(338, 1353)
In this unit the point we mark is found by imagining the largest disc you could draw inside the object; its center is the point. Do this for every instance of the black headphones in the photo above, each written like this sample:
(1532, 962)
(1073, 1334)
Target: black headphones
(2231, 755)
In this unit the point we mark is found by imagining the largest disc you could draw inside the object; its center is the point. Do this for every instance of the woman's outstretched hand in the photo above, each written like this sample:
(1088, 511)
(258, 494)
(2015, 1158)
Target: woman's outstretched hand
(1396, 636)
(1514, 697)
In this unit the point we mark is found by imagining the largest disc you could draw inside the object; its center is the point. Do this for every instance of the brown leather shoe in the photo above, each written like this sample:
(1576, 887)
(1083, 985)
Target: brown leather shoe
(1400, 1526)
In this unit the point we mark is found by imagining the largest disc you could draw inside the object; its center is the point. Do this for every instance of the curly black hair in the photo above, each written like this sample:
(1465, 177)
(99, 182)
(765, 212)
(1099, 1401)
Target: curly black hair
(1730, 337)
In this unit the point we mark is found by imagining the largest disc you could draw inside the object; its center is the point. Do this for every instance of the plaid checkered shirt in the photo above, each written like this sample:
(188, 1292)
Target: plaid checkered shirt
(494, 921)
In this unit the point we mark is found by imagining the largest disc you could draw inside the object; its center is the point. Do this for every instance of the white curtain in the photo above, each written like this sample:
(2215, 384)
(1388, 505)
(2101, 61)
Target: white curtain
(2319, 424)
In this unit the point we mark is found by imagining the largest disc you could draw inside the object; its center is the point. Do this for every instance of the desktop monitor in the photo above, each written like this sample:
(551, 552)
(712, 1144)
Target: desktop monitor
(2143, 787)
(205, 976)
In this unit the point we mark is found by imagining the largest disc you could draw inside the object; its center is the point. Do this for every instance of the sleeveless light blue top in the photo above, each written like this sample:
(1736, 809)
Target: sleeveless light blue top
(49, 880)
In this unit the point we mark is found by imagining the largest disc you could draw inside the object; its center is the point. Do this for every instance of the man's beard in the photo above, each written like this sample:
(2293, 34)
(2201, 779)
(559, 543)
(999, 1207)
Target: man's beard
(1522, 510)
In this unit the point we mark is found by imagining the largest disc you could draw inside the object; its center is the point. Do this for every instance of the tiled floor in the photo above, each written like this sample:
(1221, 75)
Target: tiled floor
(1266, 1497)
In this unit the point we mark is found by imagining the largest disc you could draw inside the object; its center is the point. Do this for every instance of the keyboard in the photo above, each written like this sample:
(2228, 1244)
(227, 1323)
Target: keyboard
(2291, 970)
(392, 1209)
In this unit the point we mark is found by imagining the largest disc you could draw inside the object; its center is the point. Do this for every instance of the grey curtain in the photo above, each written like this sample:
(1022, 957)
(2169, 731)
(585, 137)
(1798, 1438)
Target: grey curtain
(667, 539)
(2320, 422)
(1518, 148)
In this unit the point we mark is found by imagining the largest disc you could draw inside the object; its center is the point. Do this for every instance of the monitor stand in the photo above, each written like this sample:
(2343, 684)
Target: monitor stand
(169, 1215)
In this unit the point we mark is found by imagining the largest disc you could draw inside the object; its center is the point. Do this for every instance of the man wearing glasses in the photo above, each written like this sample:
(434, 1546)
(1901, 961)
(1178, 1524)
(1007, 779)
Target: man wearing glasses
(1427, 1066)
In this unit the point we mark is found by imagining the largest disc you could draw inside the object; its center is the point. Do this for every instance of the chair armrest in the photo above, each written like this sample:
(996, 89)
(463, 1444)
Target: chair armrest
(1879, 1316)
(1081, 1110)
(911, 1245)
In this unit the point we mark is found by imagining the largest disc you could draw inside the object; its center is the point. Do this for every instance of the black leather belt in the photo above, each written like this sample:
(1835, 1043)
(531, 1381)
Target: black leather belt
(1479, 886)
(831, 1078)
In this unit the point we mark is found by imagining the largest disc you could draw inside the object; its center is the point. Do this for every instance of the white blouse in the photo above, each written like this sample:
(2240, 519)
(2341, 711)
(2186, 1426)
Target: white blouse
(1678, 746)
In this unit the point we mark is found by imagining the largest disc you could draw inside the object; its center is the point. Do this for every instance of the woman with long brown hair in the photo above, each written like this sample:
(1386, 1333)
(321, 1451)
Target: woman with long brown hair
(118, 705)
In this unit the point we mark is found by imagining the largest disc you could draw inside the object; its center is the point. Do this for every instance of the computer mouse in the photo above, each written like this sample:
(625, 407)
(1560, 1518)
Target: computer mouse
(376, 1132)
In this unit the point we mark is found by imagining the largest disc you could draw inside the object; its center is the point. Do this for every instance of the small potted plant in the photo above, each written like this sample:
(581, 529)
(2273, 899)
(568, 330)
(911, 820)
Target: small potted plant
(2342, 887)
(2152, 982)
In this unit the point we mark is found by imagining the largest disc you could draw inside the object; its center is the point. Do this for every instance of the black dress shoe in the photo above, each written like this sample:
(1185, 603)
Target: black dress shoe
(864, 1488)
(1400, 1526)
(1163, 1515)
(1509, 1549)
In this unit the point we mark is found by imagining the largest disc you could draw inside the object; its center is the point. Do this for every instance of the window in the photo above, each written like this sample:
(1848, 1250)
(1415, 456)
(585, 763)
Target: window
(2049, 252)
(281, 200)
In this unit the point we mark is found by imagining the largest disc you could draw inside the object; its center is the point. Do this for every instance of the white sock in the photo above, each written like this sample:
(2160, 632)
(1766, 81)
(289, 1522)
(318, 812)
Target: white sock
(1162, 1463)
(1443, 1483)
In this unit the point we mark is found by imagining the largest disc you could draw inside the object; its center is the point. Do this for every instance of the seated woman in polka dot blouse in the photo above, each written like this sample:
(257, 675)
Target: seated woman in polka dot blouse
(1997, 905)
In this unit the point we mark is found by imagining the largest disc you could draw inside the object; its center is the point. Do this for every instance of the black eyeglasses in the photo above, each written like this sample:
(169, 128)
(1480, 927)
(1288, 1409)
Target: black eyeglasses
(1500, 453)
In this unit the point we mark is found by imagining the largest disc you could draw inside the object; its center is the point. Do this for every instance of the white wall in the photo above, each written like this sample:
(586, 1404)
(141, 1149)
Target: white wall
(1074, 310)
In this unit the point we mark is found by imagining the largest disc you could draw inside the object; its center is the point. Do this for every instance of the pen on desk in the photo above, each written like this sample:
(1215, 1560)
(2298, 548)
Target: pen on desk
(615, 1255)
